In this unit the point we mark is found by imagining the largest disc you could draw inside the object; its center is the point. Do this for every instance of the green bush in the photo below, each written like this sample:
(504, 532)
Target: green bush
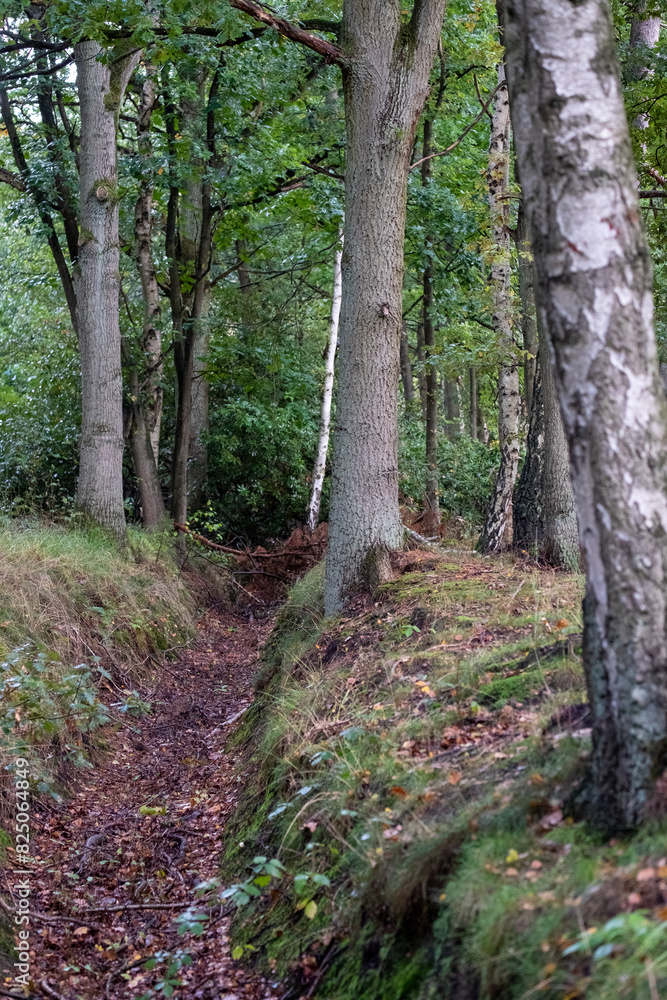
(466, 468)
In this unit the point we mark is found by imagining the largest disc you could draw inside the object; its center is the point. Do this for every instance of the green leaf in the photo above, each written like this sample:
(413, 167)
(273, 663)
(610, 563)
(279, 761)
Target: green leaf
(237, 953)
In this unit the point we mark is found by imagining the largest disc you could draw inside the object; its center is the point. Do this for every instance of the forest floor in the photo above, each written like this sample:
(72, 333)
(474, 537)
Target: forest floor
(113, 878)
(404, 773)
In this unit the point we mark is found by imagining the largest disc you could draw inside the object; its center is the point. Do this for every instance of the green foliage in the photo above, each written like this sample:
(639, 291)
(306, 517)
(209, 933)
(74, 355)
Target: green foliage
(265, 417)
(466, 471)
(47, 705)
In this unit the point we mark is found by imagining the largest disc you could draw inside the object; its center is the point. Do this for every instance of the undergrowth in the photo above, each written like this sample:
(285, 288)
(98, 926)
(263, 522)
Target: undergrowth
(411, 763)
(81, 624)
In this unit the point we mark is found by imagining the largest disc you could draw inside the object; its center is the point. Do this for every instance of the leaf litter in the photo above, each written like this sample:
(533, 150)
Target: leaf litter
(120, 858)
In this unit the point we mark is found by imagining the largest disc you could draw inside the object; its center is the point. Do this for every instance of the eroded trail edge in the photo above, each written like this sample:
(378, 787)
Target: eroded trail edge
(120, 859)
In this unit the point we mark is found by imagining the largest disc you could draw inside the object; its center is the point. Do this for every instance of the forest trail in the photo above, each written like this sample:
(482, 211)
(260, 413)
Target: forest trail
(99, 853)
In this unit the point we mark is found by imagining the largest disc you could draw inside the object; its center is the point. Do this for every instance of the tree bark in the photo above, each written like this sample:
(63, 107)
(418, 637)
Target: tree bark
(560, 545)
(188, 244)
(545, 519)
(473, 409)
(497, 532)
(528, 313)
(100, 488)
(431, 519)
(452, 409)
(406, 367)
(147, 393)
(313, 513)
(421, 371)
(528, 506)
(594, 277)
(385, 78)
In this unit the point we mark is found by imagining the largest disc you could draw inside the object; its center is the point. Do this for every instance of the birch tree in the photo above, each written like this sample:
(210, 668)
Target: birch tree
(497, 532)
(594, 281)
(313, 513)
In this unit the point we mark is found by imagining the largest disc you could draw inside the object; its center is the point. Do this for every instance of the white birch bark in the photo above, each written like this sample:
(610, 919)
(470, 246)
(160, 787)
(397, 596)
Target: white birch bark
(313, 513)
(594, 279)
(497, 533)
(100, 486)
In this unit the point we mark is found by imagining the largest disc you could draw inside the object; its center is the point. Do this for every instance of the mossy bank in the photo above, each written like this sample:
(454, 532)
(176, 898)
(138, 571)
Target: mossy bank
(406, 833)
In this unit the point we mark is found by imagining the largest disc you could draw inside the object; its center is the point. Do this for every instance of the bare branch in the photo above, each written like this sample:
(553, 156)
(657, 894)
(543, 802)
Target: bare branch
(331, 52)
(444, 152)
(7, 177)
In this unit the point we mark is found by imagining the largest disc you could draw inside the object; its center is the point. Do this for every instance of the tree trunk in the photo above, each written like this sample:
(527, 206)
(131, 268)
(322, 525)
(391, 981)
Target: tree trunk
(560, 545)
(452, 408)
(313, 513)
(386, 84)
(197, 450)
(150, 492)
(188, 244)
(473, 413)
(528, 505)
(146, 391)
(497, 533)
(406, 367)
(528, 314)
(431, 519)
(545, 519)
(421, 371)
(594, 276)
(100, 487)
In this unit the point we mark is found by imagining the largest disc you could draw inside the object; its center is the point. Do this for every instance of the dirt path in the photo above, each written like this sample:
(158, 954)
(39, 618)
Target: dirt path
(100, 855)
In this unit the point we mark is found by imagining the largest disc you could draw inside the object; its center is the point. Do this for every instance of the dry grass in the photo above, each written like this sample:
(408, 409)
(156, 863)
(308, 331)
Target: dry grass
(74, 593)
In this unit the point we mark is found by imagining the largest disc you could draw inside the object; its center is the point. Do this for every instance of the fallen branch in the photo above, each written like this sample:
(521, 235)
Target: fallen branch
(49, 990)
(239, 553)
(133, 906)
(51, 918)
(419, 539)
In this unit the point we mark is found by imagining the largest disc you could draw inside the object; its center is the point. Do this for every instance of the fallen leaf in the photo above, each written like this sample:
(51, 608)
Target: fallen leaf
(551, 820)
(454, 777)
(397, 790)
(311, 910)
(81, 930)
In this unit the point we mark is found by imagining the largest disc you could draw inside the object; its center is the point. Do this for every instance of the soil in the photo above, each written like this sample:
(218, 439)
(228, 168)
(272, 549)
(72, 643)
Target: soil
(110, 880)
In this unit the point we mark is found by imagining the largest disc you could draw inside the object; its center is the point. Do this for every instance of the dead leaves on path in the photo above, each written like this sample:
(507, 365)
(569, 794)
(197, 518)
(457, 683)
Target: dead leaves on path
(132, 842)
